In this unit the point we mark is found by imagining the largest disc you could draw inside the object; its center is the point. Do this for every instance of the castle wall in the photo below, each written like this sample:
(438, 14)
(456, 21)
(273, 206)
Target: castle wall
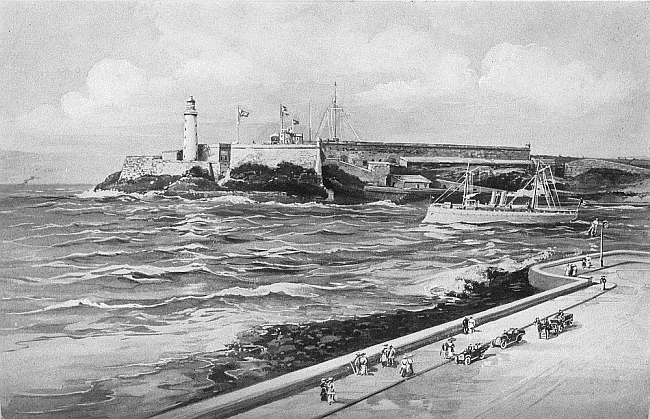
(137, 166)
(306, 156)
(391, 152)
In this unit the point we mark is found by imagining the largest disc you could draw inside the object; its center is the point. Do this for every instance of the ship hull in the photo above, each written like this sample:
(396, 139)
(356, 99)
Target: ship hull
(444, 215)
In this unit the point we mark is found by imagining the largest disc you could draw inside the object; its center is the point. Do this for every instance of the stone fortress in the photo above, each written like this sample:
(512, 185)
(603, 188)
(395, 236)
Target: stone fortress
(370, 161)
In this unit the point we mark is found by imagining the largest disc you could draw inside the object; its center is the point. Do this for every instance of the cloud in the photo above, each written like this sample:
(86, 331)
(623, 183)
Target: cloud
(447, 79)
(530, 72)
(110, 83)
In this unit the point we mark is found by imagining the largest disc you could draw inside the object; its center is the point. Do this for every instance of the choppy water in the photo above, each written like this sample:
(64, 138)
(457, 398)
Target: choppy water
(112, 305)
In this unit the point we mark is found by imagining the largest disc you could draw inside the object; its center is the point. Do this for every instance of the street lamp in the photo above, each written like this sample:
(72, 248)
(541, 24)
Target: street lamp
(603, 225)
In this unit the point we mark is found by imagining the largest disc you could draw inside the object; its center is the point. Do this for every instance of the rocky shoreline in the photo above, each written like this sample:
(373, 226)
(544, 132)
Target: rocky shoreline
(269, 351)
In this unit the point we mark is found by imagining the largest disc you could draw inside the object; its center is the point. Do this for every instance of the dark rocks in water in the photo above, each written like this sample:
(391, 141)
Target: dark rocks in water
(109, 182)
(279, 349)
(194, 180)
(347, 188)
(288, 178)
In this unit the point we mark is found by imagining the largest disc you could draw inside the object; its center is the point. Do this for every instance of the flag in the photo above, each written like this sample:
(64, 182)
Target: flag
(241, 114)
(295, 122)
(283, 110)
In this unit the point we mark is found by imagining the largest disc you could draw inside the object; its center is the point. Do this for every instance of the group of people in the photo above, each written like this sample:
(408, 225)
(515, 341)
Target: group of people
(469, 325)
(448, 349)
(406, 366)
(586, 262)
(571, 269)
(387, 358)
(327, 392)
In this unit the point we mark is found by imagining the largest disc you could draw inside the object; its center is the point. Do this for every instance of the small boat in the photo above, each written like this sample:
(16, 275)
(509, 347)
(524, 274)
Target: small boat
(471, 211)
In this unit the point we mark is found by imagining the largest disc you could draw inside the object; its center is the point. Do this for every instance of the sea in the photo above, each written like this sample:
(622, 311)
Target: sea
(117, 305)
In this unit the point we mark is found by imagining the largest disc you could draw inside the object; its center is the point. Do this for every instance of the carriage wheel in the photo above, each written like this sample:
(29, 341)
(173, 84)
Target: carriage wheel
(468, 360)
(520, 338)
(504, 344)
(496, 342)
(560, 328)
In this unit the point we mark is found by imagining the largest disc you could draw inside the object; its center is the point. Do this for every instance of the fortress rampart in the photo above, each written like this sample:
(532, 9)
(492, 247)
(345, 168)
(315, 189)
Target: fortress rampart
(359, 153)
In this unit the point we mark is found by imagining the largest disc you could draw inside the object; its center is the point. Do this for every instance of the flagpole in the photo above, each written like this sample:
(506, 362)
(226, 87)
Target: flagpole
(238, 118)
(310, 121)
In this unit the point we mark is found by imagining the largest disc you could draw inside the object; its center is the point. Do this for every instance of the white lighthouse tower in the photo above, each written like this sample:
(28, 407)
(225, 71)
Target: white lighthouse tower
(190, 136)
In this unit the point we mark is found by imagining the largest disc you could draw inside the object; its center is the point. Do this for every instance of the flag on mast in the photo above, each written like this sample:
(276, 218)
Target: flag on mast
(241, 114)
(283, 110)
(295, 122)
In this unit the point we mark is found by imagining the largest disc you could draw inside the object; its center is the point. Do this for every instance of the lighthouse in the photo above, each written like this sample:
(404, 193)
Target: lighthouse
(190, 136)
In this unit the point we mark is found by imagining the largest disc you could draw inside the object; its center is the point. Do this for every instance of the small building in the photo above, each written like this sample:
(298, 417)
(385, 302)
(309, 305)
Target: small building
(409, 182)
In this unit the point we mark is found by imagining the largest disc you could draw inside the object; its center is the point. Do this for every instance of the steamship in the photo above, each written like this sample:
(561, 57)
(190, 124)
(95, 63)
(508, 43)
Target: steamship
(535, 211)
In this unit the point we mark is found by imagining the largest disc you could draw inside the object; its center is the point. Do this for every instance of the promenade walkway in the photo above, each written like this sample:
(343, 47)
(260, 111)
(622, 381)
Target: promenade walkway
(599, 368)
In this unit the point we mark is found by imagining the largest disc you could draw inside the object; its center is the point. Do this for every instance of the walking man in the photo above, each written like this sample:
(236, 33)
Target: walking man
(465, 325)
(384, 356)
(391, 356)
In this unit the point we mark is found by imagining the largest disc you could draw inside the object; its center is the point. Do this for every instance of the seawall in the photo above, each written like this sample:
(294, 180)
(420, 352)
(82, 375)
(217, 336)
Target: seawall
(294, 382)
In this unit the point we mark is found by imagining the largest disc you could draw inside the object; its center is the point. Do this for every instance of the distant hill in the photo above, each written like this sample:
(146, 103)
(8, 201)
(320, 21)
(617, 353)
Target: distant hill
(18, 167)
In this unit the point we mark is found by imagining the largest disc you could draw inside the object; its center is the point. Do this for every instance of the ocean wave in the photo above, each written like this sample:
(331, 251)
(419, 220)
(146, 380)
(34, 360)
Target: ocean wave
(327, 232)
(288, 288)
(85, 302)
(230, 199)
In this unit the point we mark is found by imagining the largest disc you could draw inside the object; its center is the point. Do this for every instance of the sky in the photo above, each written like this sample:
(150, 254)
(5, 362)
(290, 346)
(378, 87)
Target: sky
(83, 84)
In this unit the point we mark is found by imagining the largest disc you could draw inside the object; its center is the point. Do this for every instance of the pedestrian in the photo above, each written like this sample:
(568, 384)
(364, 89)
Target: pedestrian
(409, 363)
(471, 324)
(391, 355)
(331, 393)
(363, 364)
(538, 323)
(451, 347)
(584, 263)
(323, 390)
(574, 269)
(356, 367)
(603, 281)
(588, 258)
(567, 271)
(465, 325)
(403, 367)
(445, 349)
(384, 356)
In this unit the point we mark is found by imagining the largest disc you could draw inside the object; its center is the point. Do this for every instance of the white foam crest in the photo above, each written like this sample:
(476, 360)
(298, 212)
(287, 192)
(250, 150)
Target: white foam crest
(288, 288)
(86, 302)
(186, 247)
(231, 199)
(141, 273)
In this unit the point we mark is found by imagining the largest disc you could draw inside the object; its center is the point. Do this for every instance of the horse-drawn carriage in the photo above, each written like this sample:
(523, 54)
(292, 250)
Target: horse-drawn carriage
(472, 353)
(555, 325)
(510, 336)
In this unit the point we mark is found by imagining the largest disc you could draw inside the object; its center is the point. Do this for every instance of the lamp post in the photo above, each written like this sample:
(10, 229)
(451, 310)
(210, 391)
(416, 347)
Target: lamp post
(603, 225)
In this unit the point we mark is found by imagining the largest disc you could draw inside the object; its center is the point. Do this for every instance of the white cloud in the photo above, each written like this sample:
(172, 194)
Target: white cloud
(530, 72)
(448, 79)
(110, 83)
